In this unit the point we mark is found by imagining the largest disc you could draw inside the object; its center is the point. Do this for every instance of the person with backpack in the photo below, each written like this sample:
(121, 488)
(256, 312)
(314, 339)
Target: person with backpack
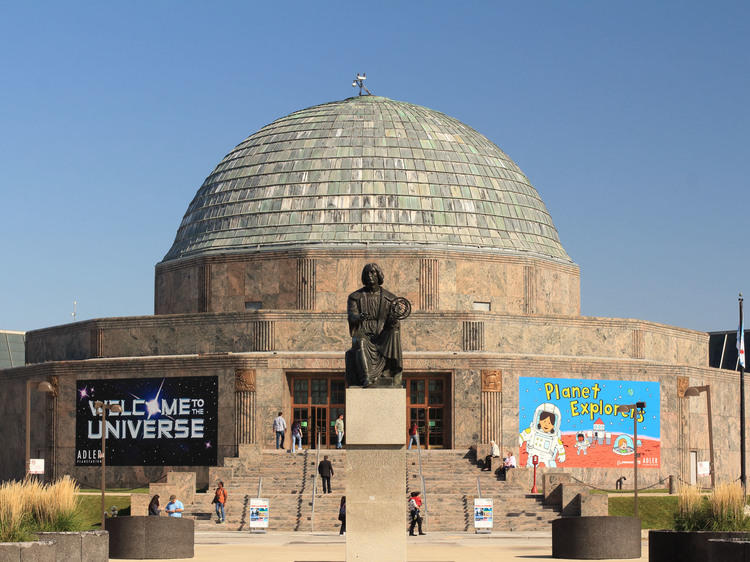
(220, 499)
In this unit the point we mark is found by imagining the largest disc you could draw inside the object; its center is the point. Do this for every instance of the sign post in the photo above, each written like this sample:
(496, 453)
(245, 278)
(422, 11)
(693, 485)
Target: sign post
(258, 515)
(534, 461)
(483, 509)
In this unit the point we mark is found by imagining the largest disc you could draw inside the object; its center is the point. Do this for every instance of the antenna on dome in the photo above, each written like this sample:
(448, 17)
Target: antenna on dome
(75, 310)
(360, 81)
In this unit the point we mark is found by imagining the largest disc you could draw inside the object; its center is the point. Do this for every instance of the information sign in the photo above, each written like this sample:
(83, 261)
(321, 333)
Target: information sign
(483, 513)
(258, 513)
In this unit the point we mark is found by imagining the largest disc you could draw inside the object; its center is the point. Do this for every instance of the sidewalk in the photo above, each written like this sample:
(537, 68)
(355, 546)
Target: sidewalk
(230, 546)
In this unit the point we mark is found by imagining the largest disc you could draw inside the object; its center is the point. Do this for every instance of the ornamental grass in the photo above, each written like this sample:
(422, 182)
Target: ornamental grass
(30, 507)
(722, 510)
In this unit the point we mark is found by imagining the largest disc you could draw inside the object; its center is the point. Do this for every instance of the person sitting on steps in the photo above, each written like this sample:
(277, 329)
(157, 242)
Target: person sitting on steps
(494, 453)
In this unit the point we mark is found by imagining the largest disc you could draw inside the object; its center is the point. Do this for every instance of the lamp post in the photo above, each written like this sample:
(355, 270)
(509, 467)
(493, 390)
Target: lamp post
(636, 409)
(43, 386)
(114, 408)
(695, 391)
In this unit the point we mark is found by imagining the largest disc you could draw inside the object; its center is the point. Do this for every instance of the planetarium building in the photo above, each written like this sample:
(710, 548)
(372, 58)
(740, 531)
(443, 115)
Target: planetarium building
(250, 319)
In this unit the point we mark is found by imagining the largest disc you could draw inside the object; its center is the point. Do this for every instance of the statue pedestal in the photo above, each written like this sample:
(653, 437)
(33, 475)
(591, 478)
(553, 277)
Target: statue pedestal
(375, 486)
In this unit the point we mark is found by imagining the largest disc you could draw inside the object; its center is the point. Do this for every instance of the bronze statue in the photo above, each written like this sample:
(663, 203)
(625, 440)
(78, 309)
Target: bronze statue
(374, 317)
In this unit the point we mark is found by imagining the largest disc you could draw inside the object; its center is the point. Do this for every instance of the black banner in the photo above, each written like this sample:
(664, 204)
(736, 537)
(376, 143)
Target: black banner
(164, 421)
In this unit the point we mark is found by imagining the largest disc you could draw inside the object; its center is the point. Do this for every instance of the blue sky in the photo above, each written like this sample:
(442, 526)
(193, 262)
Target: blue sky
(630, 119)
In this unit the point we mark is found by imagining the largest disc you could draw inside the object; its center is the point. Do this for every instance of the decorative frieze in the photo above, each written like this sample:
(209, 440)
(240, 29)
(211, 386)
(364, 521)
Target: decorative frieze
(638, 347)
(263, 335)
(204, 287)
(306, 284)
(491, 417)
(529, 289)
(492, 381)
(244, 380)
(95, 338)
(429, 281)
(473, 333)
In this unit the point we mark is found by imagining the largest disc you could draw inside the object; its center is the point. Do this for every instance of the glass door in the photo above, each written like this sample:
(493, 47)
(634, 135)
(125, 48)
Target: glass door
(428, 407)
(317, 400)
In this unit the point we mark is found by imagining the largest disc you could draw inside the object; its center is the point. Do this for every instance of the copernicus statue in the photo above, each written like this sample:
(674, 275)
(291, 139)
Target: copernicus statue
(374, 314)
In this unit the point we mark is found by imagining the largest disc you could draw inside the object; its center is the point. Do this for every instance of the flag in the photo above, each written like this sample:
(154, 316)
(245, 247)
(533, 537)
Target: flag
(741, 342)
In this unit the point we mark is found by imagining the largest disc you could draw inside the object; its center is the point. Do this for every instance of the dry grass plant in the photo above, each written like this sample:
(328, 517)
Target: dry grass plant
(689, 500)
(723, 510)
(30, 506)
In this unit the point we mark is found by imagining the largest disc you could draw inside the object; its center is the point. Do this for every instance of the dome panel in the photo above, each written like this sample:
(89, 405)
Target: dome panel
(366, 170)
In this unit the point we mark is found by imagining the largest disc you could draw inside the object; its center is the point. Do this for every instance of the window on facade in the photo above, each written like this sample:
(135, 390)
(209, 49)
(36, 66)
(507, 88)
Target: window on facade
(481, 306)
(253, 305)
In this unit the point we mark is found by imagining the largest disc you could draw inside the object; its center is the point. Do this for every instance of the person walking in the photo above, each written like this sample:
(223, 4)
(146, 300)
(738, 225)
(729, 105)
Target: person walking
(342, 515)
(175, 507)
(220, 499)
(415, 509)
(296, 436)
(325, 469)
(279, 426)
(413, 435)
(339, 430)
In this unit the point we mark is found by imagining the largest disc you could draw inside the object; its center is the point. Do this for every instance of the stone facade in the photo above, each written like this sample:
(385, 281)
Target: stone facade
(455, 280)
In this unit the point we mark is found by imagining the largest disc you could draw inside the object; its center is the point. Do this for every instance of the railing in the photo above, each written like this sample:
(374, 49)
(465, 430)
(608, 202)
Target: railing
(421, 478)
(315, 483)
(260, 486)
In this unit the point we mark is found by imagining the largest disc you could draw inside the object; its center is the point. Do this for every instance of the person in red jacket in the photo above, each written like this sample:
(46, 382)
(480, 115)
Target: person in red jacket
(413, 435)
(415, 509)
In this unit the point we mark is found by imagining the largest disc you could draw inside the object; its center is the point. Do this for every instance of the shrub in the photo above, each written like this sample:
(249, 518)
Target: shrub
(28, 507)
(723, 510)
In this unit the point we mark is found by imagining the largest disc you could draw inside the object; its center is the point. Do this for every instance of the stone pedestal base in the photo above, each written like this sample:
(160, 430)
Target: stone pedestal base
(375, 485)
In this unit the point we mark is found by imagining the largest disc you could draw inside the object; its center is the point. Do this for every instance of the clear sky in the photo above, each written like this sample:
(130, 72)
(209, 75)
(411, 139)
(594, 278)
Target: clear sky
(630, 118)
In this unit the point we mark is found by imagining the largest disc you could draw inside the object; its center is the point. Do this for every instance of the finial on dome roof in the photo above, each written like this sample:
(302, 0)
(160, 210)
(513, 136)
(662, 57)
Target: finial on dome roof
(360, 81)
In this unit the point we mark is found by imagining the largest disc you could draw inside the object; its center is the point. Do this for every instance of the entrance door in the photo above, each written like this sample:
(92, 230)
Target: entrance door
(429, 407)
(317, 399)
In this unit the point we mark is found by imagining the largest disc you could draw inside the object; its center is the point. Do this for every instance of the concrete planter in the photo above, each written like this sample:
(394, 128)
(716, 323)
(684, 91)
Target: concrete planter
(596, 538)
(35, 551)
(689, 546)
(151, 538)
(84, 546)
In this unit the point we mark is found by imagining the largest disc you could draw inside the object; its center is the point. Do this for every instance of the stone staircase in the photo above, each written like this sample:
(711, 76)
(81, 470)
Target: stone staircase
(451, 486)
(287, 481)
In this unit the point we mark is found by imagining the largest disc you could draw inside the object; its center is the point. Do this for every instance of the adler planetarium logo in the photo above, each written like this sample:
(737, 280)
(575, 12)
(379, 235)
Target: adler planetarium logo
(163, 421)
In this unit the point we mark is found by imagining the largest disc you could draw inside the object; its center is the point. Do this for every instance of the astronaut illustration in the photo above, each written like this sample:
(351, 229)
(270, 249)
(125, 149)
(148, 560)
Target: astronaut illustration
(582, 444)
(542, 437)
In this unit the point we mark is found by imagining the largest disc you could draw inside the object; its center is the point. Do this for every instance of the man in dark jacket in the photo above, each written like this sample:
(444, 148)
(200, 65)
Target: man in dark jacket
(325, 469)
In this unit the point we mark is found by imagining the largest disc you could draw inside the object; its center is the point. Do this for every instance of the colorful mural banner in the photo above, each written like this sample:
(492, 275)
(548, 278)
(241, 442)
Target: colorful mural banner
(574, 422)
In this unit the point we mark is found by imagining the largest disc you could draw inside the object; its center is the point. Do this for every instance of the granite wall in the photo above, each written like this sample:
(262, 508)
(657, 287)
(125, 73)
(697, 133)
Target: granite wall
(683, 420)
(321, 280)
(302, 331)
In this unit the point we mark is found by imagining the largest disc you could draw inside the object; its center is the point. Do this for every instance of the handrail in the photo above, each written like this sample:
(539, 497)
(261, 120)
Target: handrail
(421, 477)
(260, 485)
(479, 488)
(315, 482)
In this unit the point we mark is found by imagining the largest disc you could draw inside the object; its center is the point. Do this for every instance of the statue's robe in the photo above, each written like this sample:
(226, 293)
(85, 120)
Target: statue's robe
(376, 341)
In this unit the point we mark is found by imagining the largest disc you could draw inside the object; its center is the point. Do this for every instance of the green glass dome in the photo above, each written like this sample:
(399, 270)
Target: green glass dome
(367, 170)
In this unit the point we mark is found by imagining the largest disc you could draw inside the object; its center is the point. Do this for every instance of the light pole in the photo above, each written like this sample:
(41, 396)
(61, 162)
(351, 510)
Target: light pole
(636, 409)
(43, 386)
(115, 408)
(695, 391)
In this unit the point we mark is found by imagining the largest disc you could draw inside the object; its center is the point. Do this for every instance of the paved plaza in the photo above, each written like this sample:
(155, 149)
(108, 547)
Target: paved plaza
(229, 546)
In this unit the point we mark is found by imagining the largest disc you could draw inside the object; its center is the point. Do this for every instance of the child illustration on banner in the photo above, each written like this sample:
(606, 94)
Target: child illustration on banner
(582, 444)
(543, 438)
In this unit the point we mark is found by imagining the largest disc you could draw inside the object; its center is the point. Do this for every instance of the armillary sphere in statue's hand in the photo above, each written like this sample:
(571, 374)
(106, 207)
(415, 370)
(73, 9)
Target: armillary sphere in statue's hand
(400, 309)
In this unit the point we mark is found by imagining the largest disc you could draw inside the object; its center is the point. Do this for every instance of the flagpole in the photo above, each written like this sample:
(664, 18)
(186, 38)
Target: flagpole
(740, 349)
